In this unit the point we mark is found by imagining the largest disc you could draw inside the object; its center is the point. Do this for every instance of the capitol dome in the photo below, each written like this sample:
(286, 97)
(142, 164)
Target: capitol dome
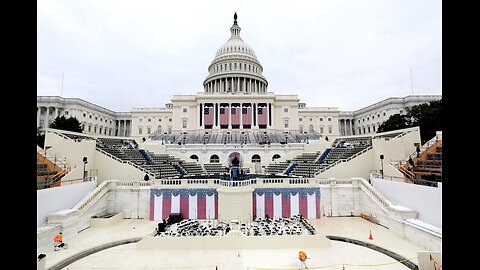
(235, 68)
(235, 45)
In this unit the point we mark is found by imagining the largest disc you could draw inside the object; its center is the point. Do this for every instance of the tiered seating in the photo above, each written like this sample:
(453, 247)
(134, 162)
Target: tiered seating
(306, 164)
(214, 168)
(77, 137)
(277, 168)
(192, 168)
(234, 137)
(163, 165)
(429, 165)
(390, 135)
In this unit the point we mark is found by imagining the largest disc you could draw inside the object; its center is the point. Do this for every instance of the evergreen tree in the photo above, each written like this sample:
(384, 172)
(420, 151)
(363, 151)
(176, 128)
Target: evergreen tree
(70, 124)
(427, 116)
(394, 122)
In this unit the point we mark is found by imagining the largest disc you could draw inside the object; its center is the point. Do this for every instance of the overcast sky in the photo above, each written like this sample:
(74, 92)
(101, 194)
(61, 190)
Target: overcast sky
(347, 54)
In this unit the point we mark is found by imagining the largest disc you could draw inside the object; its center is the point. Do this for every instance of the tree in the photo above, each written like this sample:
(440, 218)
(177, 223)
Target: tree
(40, 138)
(394, 122)
(70, 124)
(427, 116)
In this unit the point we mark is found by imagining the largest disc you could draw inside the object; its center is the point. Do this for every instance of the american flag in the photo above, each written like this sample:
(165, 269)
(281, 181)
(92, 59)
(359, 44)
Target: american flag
(208, 111)
(286, 202)
(235, 115)
(247, 115)
(223, 115)
(262, 115)
(200, 203)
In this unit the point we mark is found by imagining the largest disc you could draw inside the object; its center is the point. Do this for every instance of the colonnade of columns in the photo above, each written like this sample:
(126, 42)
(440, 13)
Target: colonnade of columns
(235, 84)
(346, 127)
(47, 117)
(123, 127)
(254, 116)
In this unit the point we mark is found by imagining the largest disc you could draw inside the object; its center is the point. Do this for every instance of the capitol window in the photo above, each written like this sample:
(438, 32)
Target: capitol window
(140, 130)
(321, 119)
(329, 119)
(321, 129)
(149, 120)
(184, 109)
(169, 119)
(285, 123)
(140, 120)
(300, 119)
(184, 123)
(149, 130)
(330, 130)
(285, 109)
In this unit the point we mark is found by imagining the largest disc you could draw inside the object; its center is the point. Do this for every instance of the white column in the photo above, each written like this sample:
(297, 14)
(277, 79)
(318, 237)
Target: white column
(244, 85)
(39, 109)
(55, 114)
(229, 115)
(241, 115)
(46, 117)
(251, 117)
(238, 84)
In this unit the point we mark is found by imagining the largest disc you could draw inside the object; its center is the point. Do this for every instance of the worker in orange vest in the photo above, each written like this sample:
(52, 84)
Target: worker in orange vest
(302, 256)
(57, 240)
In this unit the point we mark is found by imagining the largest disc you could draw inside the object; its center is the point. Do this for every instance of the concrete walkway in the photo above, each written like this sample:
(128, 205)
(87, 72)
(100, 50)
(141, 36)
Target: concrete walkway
(129, 257)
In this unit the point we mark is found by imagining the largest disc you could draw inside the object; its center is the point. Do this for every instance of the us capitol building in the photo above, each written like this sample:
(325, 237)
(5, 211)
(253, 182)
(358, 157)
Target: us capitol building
(235, 99)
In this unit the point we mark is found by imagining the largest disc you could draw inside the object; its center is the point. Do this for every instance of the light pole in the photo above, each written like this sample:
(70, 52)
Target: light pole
(381, 159)
(84, 163)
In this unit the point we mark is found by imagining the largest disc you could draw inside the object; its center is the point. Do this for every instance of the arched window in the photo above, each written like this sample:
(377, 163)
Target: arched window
(159, 129)
(194, 157)
(256, 158)
(214, 159)
(275, 157)
(310, 128)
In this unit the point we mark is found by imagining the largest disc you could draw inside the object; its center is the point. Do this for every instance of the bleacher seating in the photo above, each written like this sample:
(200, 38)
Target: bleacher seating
(192, 168)
(277, 168)
(234, 137)
(214, 168)
(78, 137)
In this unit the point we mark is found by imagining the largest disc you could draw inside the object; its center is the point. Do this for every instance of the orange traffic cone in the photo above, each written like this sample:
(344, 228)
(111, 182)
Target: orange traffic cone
(370, 237)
